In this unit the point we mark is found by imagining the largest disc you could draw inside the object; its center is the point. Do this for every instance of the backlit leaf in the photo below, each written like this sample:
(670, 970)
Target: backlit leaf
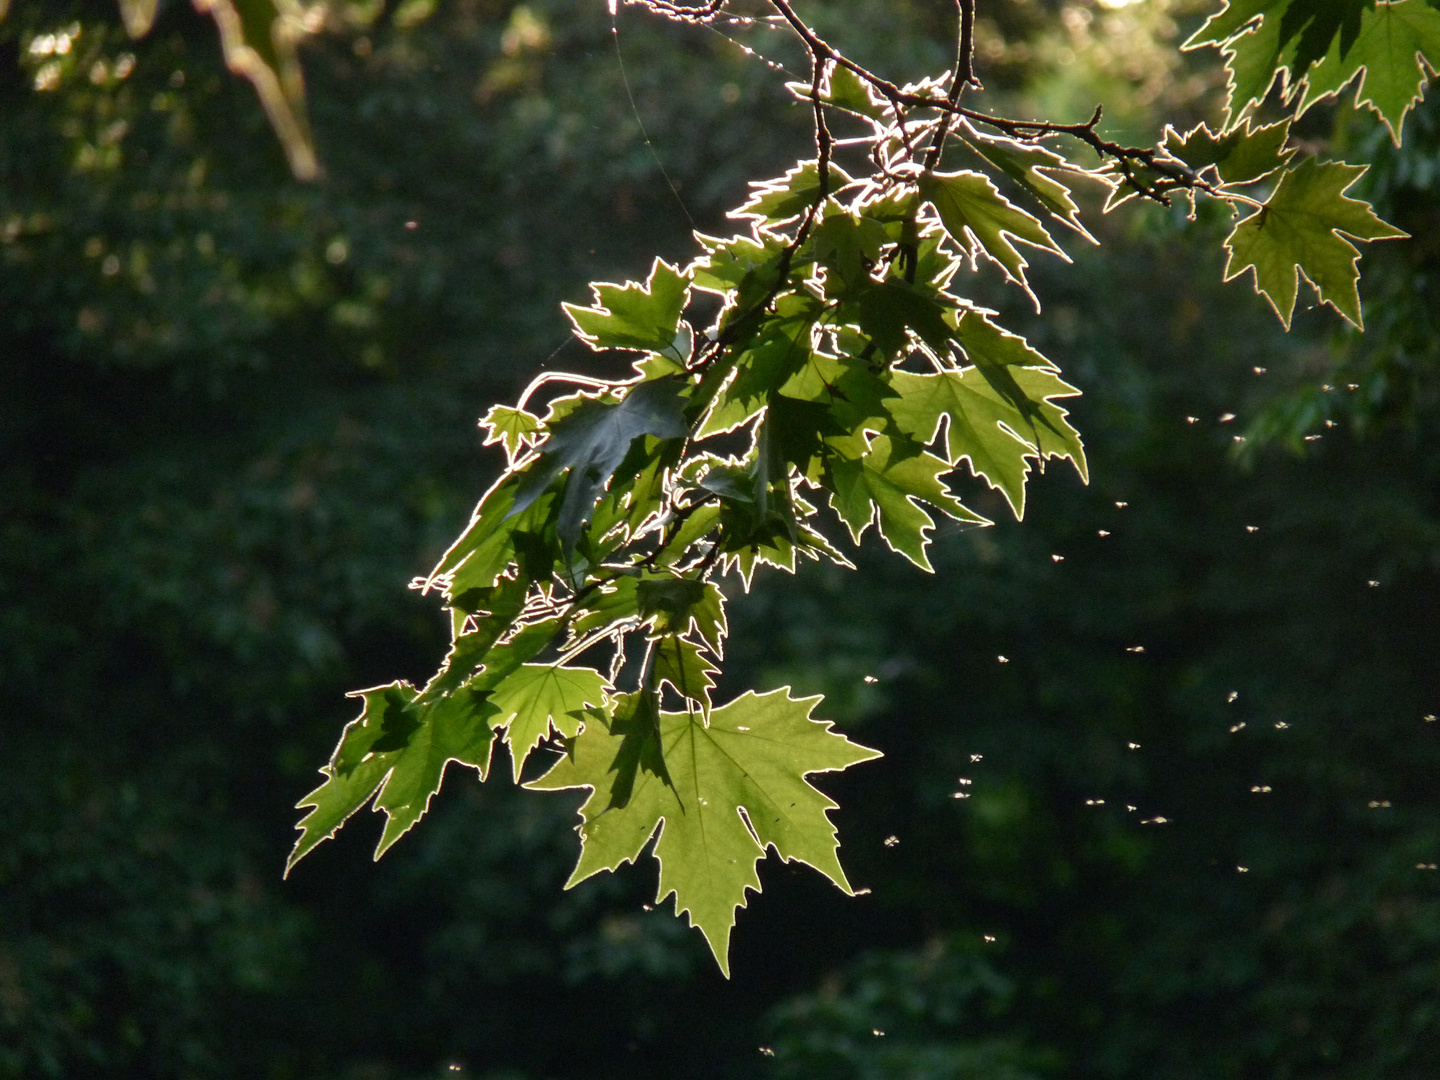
(980, 219)
(1397, 47)
(635, 316)
(511, 427)
(1302, 229)
(737, 788)
(679, 662)
(536, 697)
(400, 750)
(886, 481)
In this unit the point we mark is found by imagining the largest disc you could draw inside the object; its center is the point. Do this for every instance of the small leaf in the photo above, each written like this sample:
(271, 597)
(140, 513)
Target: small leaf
(535, 697)
(737, 787)
(843, 89)
(774, 202)
(512, 427)
(978, 218)
(635, 316)
(1302, 229)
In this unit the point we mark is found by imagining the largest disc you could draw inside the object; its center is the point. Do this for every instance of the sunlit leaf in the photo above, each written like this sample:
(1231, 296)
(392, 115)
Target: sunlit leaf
(635, 316)
(981, 220)
(737, 786)
(1303, 229)
(536, 698)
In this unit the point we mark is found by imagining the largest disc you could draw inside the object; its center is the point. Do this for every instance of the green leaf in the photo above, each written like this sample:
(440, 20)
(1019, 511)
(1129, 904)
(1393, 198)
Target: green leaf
(886, 310)
(400, 750)
(591, 440)
(607, 606)
(455, 728)
(1240, 156)
(1230, 20)
(536, 697)
(774, 202)
(485, 540)
(696, 525)
(1302, 229)
(977, 430)
(1397, 47)
(1030, 166)
(737, 787)
(728, 263)
(493, 612)
(669, 601)
(635, 316)
(875, 477)
(680, 662)
(844, 89)
(978, 218)
(513, 427)
(848, 246)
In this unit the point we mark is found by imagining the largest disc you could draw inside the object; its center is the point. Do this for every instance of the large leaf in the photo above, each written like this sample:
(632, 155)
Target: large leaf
(1302, 229)
(737, 786)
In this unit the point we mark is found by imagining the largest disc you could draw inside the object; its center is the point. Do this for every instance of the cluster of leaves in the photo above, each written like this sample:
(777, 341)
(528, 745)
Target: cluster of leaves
(1315, 49)
(844, 372)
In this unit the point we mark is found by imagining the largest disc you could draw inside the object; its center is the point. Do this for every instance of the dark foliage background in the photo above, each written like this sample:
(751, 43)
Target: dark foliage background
(237, 416)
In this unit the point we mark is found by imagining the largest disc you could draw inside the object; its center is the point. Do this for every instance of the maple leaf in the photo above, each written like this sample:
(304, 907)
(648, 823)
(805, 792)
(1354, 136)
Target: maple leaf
(1030, 166)
(536, 697)
(681, 663)
(591, 439)
(1391, 59)
(400, 751)
(978, 218)
(635, 316)
(774, 202)
(1302, 229)
(1240, 155)
(511, 427)
(736, 787)
(876, 477)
